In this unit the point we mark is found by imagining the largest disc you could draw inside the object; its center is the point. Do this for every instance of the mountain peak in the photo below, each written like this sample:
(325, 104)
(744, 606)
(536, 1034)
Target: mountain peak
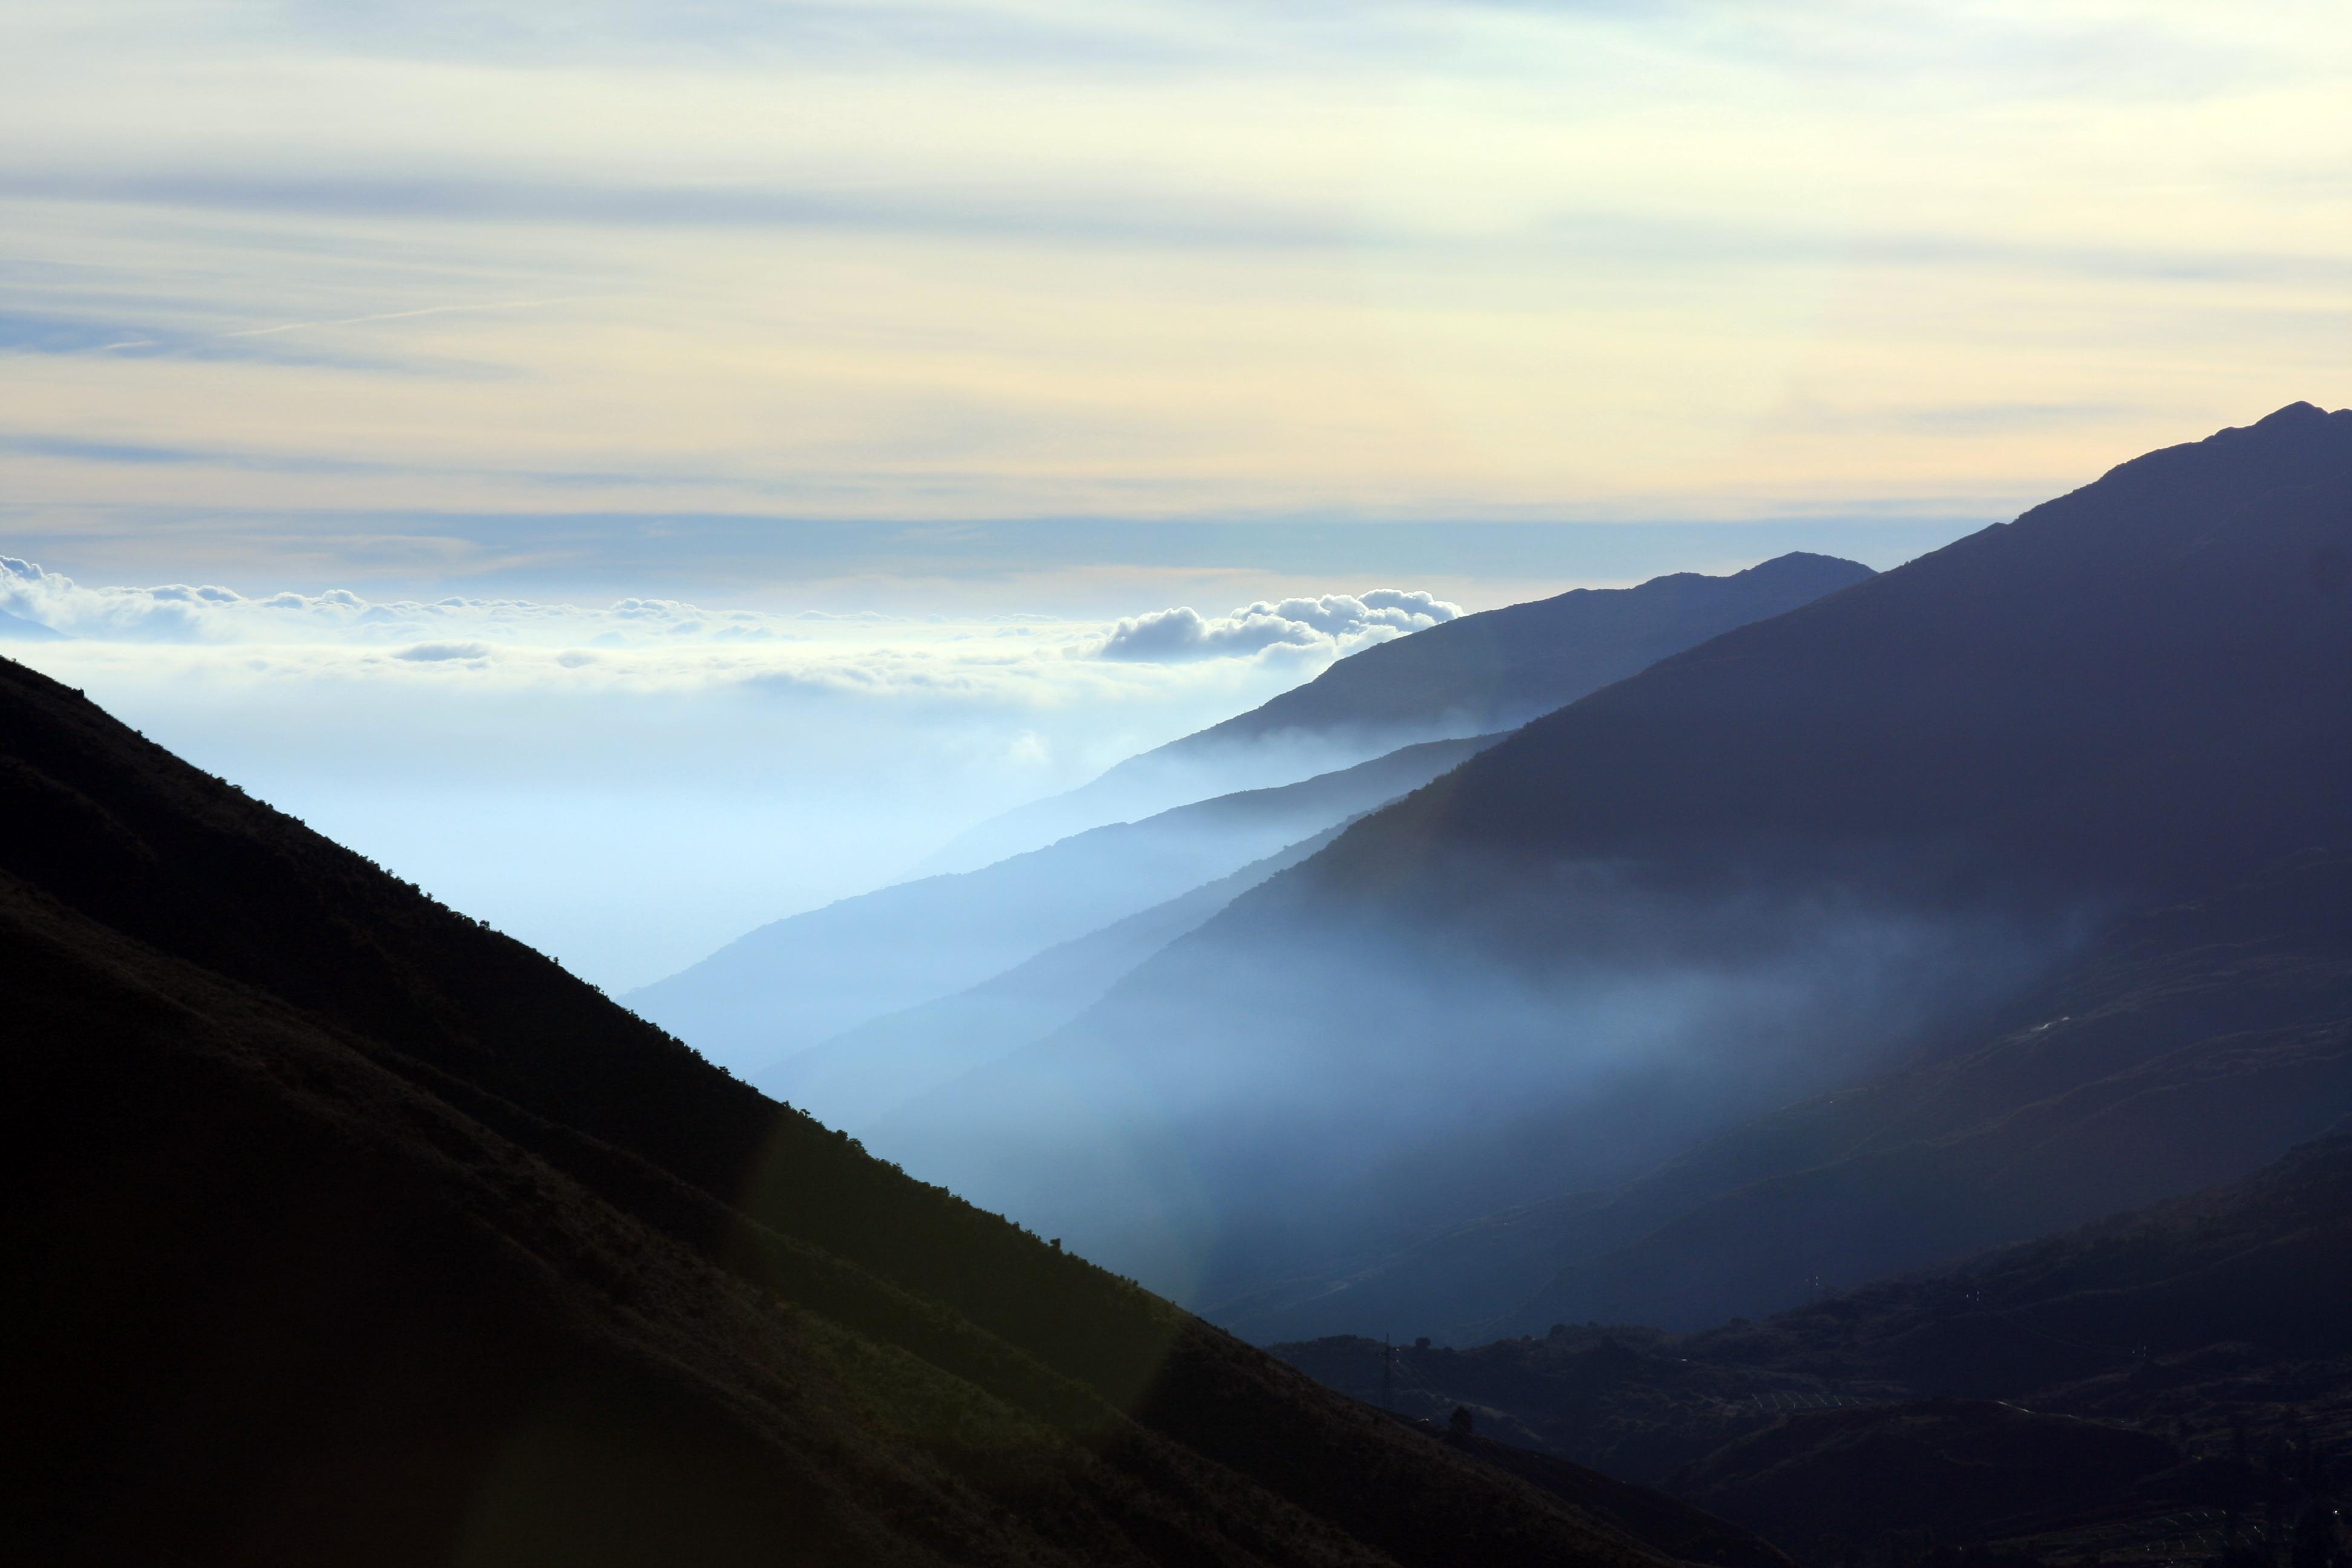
(2292, 414)
(1807, 563)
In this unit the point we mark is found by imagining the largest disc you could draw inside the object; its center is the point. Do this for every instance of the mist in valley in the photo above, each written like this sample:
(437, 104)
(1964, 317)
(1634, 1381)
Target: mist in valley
(1259, 1101)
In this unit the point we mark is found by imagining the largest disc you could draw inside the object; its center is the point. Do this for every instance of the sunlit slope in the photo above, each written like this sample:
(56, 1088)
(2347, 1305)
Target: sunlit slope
(1755, 871)
(346, 1230)
(1486, 672)
(793, 983)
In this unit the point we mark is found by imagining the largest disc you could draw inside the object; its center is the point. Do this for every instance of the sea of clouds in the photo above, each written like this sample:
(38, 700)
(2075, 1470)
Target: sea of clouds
(629, 785)
(1298, 630)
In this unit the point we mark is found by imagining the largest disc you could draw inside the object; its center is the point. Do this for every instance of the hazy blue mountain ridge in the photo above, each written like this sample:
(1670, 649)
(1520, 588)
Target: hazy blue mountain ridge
(1486, 672)
(1757, 871)
(872, 1069)
(796, 983)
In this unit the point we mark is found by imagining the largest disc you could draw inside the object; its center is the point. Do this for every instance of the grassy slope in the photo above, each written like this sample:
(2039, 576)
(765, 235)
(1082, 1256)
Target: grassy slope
(345, 1229)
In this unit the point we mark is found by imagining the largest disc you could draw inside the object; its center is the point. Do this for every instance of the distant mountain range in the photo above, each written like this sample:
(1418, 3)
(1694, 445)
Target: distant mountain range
(343, 1230)
(1767, 868)
(870, 1070)
(793, 985)
(799, 982)
(1478, 675)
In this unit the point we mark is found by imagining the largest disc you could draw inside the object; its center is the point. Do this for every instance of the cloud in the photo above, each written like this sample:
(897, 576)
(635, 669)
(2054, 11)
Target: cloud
(1588, 249)
(437, 652)
(1337, 623)
(854, 650)
(208, 613)
(628, 784)
(1109, 216)
(53, 332)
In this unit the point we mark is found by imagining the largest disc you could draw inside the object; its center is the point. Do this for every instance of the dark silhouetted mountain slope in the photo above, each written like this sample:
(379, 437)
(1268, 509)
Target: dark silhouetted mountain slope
(343, 1230)
(2126, 1388)
(2135, 685)
(798, 981)
(1486, 672)
(2263, 1264)
(1766, 868)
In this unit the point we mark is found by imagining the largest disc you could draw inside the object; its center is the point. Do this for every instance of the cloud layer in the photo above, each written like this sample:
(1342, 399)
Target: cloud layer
(1338, 623)
(208, 613)
(629, 785)
(458, 628)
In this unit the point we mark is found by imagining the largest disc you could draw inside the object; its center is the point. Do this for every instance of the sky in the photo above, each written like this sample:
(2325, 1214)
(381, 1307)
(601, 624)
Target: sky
(912, 334)
(630, 786)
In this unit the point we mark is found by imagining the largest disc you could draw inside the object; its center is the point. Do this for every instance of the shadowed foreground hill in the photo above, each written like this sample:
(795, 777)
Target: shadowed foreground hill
(342, 1229)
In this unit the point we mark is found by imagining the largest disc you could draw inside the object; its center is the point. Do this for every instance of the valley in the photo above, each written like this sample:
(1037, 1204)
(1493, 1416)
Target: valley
(1805, 1067)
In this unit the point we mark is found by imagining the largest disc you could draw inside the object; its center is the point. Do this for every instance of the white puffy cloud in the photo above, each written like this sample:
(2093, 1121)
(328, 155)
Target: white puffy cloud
(1334, 623)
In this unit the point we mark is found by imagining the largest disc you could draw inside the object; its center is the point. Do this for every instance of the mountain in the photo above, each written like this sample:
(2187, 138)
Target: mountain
(2186, 1045)
(2146, 1385)
(1769, 868)
(18, 629)
(799, 982)
(343, 1230)
(1477, 675)
(874, 1068)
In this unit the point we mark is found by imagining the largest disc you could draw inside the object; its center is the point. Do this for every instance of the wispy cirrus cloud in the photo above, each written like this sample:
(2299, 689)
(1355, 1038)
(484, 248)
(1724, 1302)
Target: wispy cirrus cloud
(1160, 257)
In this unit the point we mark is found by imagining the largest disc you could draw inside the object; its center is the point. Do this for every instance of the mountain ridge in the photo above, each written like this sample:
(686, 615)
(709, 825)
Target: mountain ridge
(796, 983)
(872, 1068)
(1832, 835)
(1491, 670)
